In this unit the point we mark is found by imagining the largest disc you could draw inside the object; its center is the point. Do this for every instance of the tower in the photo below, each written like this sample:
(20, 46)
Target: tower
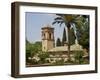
(47, 38)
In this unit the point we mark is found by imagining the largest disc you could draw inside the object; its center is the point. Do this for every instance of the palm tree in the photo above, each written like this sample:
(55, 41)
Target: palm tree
(70, 21)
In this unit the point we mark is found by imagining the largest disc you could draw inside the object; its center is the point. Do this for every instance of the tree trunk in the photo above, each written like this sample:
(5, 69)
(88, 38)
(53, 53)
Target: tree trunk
(69, 58)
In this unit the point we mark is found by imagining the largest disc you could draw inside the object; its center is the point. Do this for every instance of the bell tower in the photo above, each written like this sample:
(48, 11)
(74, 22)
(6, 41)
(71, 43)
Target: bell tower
(47, 38)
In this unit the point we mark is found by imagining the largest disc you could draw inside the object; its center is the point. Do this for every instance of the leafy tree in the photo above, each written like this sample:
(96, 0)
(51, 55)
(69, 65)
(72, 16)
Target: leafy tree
(58, 42)
(64, 37)
(83, 33)
(38, 45)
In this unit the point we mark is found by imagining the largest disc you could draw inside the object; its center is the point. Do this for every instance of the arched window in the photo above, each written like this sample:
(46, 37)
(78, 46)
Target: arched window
(49, 35)
(43, 35)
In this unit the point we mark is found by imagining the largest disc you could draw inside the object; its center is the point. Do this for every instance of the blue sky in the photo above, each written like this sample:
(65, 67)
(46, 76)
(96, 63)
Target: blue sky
(35, 21)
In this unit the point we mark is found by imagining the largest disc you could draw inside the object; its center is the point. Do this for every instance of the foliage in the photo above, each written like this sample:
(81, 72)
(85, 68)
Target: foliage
(78, 57)
(43, 56)
(58, 42)
(73, 37)
(32, 50)
(83, 33)
(28, 52)
(59, 62)
(64, 37)
(38, 45)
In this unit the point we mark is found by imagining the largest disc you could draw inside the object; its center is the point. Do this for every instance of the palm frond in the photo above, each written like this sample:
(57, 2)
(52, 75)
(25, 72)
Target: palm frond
(54, 22)
(58, 22)
(61, 23)
(60, 15)
(58, 18)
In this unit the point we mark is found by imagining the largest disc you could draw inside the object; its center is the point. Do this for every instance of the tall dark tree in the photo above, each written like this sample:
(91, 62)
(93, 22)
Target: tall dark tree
(58, 42)
(83, 33)
(73, 37)
(64, 37)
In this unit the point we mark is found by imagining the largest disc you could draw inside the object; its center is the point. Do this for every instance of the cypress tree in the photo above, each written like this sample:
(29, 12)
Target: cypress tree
(64, 37)
(58, 42)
